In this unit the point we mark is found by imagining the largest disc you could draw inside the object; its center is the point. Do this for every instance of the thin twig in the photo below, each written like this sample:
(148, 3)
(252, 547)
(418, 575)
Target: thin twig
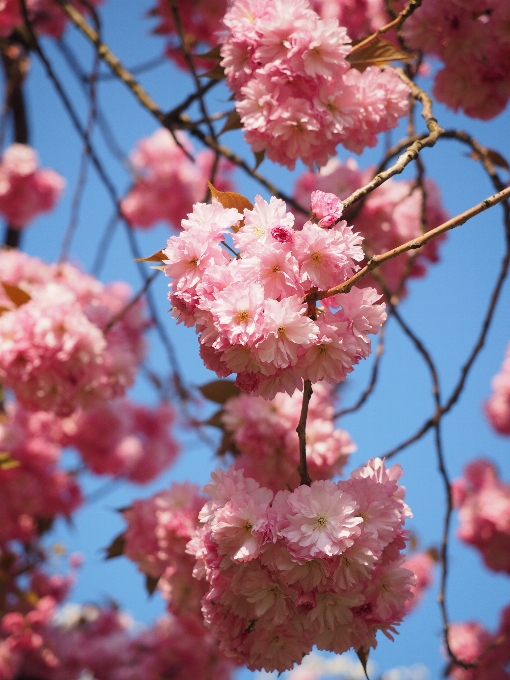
(167, 120)
(15, 71)
(178, 382)
(414, 244)
(118, 317)
(373, 378)
(395, 23)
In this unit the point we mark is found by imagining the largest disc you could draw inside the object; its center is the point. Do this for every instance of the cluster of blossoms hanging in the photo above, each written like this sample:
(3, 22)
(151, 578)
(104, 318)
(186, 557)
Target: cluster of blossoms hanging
(167, 182)
(88, 641)
(497, 407)
(26, 190)
(124, 439)
(158, 529)
(249, 309)
(297, 96)
(61, 344)
(489, 652)
(33, 489)
(472, 39)
(483, 502)
(265, 443)
(389, 216)
(321, 565)
(46, 17)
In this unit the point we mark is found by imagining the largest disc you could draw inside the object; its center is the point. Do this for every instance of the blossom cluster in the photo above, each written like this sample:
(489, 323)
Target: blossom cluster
(483, 502)
(33, 490)
(124, 439)
(46, 17)
(266, 443)
(89, 641)
(472, 39)
(158, 529)
(321, 565)
(297, 96)
(497, 407)
(167, 182)
(490, 652)
(57, 351)
(390, 215)
(249, 309)
(25, 189)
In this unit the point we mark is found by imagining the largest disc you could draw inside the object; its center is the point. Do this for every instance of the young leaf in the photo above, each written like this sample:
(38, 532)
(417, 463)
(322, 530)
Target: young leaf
(151, 583)
(259, 157)
(212, 55)
(216, 420)
(495, 158)
(116, 547)
(6, 462)
(233, 122)
(363, 657)
(156, 257)
(375, 53)
(229, 199)
(16, 294)
(216, 73)
(219, 391)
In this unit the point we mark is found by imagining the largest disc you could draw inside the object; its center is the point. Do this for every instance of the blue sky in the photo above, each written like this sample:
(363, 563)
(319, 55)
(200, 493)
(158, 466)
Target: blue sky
(445, 310)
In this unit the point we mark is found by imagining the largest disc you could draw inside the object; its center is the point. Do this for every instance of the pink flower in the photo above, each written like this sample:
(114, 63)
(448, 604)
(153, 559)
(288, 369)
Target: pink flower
(25, 190)
(320, 520)
(327, 208)
(287, 331)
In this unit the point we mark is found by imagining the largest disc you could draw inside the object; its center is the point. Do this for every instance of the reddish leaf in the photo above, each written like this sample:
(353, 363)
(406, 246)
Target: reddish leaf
(116, 547)
(375, 53)
(219, 391)
(156, 257)
(229, 199)
(233, 122)
(16, 294)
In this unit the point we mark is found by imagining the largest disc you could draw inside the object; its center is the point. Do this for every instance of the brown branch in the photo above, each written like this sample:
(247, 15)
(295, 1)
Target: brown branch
(15, 63)
(414, 244)
(395, 23)
(179, 385)
(177, 20)
(301, 432)
(411, 152)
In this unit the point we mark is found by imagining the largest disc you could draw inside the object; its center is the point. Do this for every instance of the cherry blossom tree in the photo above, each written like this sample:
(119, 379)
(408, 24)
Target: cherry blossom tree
(255, 280)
